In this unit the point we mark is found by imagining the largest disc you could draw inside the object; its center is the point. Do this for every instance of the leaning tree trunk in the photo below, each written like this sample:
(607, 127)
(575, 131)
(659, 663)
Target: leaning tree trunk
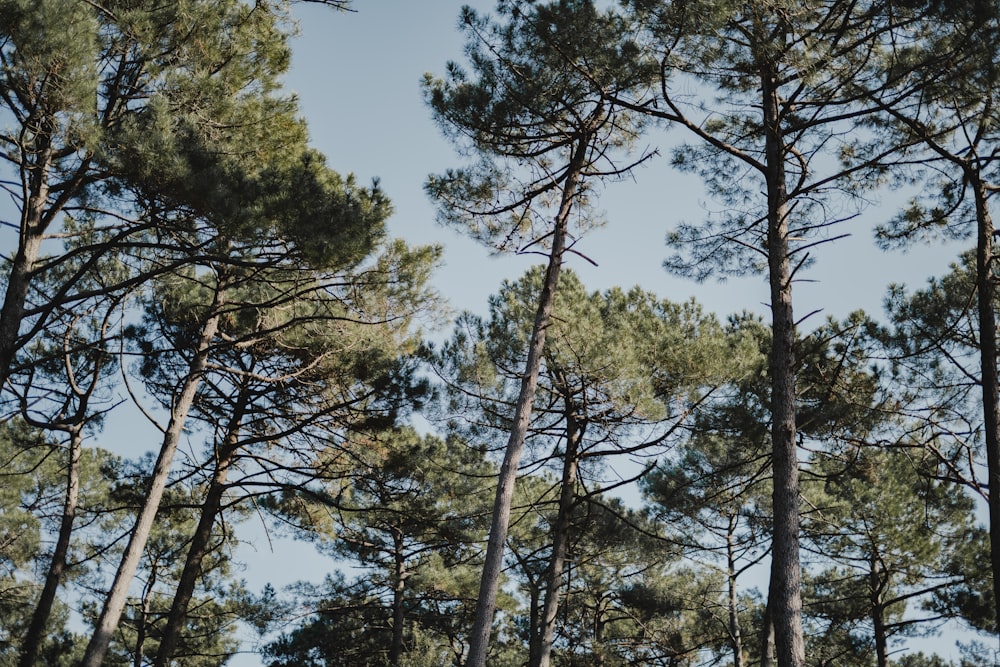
(486, 603)
(34, 221)
(202, 540)
(986, 290)
(114, 603)
(785, 595)
(560, 535)
(40, 618)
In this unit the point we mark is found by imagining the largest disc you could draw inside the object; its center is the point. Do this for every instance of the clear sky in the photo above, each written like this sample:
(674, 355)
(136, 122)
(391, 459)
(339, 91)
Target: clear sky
(358, 79)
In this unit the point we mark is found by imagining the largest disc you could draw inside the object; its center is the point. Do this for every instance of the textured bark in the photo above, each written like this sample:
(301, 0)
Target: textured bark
(534, 622)
(201, 542)
(986, 289)
(560, 535)
(876, 586)
(33, 223)
(115, 602)
(486, 603)
(40, 617)
(767, 632)
(785, 595)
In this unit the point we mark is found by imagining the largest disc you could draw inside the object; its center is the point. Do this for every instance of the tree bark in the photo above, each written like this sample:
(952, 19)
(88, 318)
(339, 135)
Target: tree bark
(486, 603)
(986, 292)
(32, 230)
(202, 539)
(560, 533)
(534, 623)
(115, 602)
(785, 596)
(875, 587)
(767, 631)
(39, 619)
(398, 591)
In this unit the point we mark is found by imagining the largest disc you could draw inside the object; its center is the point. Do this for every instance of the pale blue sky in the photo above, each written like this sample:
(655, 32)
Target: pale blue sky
(358, 79)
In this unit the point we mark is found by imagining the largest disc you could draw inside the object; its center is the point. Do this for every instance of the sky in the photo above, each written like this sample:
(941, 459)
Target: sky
(357, 76)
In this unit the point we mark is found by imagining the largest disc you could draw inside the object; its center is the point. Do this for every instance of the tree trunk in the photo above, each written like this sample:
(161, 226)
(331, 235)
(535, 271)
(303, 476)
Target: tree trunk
(785, 596)
(398, 590)
(735, 636)
(767, 631)
(560, 533)
(33, 222)
(202, 539)
(486, 603)
(534, 623)
(142, 619)
(40, 618)
(114, 603)
(985, 287)
(875, 588)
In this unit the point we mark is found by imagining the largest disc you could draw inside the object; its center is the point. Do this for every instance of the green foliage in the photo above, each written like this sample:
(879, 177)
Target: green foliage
(633, 360)
(30, 510)
(533, 109)
(890, 536)
(410, 518)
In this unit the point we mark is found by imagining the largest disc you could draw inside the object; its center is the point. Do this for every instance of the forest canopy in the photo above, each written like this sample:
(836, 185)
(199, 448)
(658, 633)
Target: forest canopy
(569, 475)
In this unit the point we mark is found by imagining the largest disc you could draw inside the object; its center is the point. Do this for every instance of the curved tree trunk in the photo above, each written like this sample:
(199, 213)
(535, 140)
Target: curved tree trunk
(785, 595)
(560, 535)
(201, 542)
(767, 631)
(114, 603)
(490, 582)
(40, 618)
(22, 268)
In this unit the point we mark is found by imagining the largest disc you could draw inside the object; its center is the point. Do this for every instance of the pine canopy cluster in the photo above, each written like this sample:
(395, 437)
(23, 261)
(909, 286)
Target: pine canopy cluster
(575, 477)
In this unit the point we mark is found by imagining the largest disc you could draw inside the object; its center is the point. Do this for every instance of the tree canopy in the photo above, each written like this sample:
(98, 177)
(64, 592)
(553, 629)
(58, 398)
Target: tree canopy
(570, 474)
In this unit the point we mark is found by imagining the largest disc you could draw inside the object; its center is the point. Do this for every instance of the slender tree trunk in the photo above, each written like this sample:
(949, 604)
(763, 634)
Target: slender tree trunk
(767, 631)
(142, 620)
(785, 596)
(22, 270)
(875, 588)
(114, 603)
(486, 603)
(534, 622)
(398, 590)
(560, 534)
(201, 542)
(40, 618)
(986, 291)
(735, 636)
